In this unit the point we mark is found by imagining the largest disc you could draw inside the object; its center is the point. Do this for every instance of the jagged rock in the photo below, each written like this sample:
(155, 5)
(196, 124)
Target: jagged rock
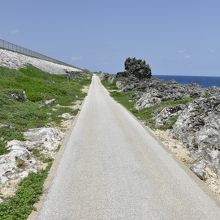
(198, 127)
(212, 91)
(17, 163)
(45, 138)
(196, 120)
(138, 68)
(149, 92)
(199, 169)
(147, 100)
(167, 114)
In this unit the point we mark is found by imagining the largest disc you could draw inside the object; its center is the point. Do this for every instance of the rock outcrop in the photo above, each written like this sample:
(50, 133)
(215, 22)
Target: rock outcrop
(168, 115)
(195, 122)
(198, 127)
(20, 161)
(137, 67)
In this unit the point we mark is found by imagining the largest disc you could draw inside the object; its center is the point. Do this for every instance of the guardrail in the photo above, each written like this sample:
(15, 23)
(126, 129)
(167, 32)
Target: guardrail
(18, 49)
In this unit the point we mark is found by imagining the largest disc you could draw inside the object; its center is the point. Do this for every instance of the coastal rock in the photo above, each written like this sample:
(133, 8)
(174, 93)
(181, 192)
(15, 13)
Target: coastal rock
(199, 169)
(45, 138)
(138, 68)
(147, 100)
(198, 127)
(168, 115)
(17, 163)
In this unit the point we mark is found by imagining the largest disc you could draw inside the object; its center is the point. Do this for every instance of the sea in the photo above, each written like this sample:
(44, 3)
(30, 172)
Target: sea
(204, 81)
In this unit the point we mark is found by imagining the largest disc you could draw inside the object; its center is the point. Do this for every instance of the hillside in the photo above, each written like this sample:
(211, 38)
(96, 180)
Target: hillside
(37, 109)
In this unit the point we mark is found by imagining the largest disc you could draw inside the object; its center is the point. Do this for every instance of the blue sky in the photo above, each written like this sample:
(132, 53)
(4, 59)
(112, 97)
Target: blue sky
(174, 36)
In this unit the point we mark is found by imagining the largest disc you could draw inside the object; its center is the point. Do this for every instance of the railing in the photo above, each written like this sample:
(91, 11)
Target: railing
(18, 49)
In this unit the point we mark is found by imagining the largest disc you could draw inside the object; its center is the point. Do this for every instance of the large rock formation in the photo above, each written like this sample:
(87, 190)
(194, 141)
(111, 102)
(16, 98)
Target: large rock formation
(198, 127)
(137, 68)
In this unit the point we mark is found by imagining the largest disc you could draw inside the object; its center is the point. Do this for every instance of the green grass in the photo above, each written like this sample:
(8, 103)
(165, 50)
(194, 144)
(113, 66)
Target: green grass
(109, 86)
(17, 116)
(146, 114)
(29, 191)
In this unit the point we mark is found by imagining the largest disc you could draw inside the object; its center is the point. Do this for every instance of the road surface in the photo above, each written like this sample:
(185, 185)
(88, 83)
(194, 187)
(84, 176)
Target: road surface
(113, 169)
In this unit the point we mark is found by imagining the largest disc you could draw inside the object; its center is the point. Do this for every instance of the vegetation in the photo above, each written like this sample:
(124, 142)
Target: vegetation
(22, 99)
(21, 111)
(21, 205)
(146, 114)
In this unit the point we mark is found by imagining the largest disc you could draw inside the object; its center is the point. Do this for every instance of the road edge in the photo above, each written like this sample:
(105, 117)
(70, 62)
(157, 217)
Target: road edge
(52, 172)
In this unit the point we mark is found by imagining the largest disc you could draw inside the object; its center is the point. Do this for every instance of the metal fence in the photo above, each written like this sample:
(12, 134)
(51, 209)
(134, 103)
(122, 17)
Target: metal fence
(18, 49)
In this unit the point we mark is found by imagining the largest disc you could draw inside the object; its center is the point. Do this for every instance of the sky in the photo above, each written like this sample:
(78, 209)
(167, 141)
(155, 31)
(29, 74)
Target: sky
(176, 37)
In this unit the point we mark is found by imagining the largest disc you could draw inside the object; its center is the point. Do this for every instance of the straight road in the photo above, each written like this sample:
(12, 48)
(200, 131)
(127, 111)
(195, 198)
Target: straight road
(113, 169)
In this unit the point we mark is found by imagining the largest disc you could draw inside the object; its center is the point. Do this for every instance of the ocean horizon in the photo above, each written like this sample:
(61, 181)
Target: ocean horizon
(204, 81)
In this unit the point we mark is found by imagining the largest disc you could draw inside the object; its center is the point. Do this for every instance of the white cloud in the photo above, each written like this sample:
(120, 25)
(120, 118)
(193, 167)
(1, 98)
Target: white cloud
(76, 58)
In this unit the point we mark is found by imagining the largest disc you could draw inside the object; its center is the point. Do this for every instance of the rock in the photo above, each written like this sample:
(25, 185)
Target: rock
(148, 92)
(45, 138)
(18, 95)
(10, 169)
(202, 116)
(199, 169)
(77, 105)
(67, 116)
(198, 127)
(111, 79)
(49, 102)
(70, 75)
(168, 115)
(147, 100)
(138, 68)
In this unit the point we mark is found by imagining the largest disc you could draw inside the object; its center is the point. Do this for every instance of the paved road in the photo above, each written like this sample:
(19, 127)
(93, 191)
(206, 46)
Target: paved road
(113, 169)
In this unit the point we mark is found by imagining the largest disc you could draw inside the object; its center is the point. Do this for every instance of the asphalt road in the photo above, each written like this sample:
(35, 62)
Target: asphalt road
(113, 169)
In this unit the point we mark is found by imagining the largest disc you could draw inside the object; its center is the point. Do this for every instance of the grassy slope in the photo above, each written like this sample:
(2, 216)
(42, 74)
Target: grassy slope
(17, 117)
(145, 114)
